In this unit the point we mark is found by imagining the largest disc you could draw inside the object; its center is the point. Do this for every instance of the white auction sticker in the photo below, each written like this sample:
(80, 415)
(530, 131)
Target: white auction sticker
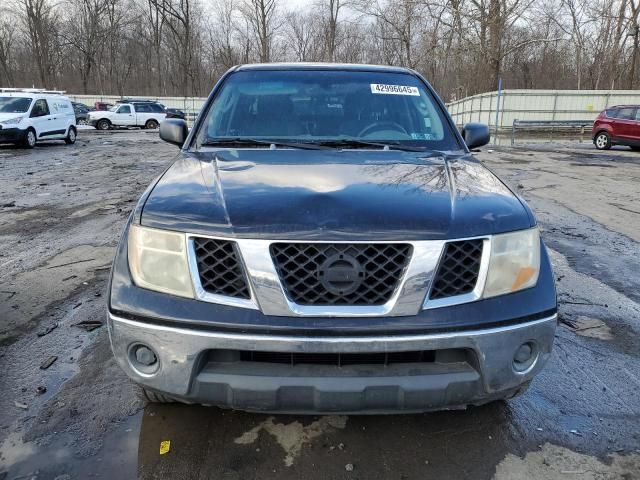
(394, 89)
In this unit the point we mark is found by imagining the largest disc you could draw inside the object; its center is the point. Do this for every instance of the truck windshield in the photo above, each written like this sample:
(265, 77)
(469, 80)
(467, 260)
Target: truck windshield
(14, 104)
(326, 107)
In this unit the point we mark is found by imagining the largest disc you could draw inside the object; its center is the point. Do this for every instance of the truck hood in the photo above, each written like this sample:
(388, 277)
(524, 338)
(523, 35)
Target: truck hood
(332, 195)
(100, 114)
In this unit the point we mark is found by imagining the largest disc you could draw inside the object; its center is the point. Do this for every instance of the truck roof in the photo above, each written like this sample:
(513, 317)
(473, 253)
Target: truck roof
(322, 66)
(31, 94)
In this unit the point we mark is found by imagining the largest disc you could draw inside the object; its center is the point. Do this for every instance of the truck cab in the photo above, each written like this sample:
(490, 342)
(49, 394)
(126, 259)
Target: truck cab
(132, 114)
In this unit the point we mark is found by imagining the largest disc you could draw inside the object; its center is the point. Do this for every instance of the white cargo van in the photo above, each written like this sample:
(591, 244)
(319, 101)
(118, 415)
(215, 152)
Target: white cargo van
(30, 115)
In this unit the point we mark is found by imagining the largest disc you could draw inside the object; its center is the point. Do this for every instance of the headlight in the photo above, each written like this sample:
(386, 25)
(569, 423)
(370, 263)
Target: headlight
(514, 263)
(158, 261)
(12, 121)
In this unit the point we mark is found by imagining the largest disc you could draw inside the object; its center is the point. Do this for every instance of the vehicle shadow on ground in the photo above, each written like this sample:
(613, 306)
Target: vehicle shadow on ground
(206, 442)
(22, 149)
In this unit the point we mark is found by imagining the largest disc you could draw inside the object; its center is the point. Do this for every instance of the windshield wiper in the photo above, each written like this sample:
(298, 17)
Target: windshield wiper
(354, 142)
(318, 145)
(243, 142)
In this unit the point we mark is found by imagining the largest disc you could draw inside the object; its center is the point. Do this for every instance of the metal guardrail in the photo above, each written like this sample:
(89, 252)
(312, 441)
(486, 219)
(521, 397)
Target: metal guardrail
(548, 125)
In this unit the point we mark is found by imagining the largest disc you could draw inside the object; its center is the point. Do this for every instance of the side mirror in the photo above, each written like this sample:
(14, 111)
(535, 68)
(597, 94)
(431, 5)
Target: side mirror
(174, 130)
(475, 135)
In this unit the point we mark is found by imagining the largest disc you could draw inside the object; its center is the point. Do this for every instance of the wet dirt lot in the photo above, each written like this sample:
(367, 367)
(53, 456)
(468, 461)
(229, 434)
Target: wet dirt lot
(61, 211)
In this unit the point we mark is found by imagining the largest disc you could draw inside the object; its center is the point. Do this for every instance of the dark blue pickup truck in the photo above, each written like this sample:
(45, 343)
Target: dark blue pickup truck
(325, 242)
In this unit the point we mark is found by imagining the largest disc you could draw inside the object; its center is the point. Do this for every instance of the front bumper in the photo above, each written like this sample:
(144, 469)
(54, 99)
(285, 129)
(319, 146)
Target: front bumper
(186, 371)
(11, 135)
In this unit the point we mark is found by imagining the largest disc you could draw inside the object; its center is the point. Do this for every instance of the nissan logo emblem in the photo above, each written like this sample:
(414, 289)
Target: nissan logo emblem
(341, 274)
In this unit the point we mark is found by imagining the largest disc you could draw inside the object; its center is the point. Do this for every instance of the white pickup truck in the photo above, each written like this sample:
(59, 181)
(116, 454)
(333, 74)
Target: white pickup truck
(134, 114)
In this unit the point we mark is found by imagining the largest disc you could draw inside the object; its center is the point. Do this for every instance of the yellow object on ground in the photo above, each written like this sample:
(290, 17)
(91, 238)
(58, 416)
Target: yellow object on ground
(165, 446)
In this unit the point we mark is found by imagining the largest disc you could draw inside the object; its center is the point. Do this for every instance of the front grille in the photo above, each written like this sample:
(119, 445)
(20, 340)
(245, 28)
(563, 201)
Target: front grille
(458, 270)
(219, 268)
(340, 274)
(339, 359)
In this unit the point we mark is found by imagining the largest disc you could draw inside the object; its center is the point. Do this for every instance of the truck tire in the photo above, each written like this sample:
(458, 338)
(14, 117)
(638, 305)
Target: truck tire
(149, 396)
(71, 136)
(103, 124)
(151, 124)
(30, 139)
(516, 393)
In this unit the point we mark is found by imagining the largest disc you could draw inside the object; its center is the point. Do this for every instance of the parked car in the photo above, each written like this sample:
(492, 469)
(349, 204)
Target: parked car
(134, 114)
(157, 107)
(618, 125)
(325, 242)
(82, 113)
(175, 113)
(28, 116)
(101, 106)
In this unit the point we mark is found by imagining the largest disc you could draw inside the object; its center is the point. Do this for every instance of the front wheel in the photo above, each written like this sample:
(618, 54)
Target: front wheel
(151, 125)
(519, 391)
(150, 396)
(602, 141)
(103, 124)
(30, 139)
(71, 136)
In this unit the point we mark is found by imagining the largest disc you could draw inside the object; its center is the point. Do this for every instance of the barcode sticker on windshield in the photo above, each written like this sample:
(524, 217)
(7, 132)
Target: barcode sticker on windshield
(394, 89)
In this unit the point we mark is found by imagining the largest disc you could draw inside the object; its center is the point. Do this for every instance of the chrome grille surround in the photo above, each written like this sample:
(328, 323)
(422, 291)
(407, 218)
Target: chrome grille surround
(220, 268)
(268, 295)
(458, 270)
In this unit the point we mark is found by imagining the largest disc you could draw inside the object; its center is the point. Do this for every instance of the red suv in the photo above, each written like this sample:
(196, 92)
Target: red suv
(617, 126)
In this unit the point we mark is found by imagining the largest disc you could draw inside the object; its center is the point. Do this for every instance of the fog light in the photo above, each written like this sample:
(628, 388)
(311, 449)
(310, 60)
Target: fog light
(525, 357)
(145, 356)
(143, 359)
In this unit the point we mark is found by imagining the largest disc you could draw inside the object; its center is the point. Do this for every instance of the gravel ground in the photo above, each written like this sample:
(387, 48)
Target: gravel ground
(61, 212)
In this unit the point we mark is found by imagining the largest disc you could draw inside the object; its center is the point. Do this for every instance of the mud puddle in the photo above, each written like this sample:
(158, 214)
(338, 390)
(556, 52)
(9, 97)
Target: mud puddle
(117, 458)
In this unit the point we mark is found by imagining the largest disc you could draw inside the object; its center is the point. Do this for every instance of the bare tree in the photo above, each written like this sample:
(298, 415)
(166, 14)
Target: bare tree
(398, 27)
(301, 32)
(261, 15)
(634, 31)
(179, 18)
(85, 32)
(7, 41)
(330, 24)
(154, 19)
(181, 47)
(40, 21)
(118, 52)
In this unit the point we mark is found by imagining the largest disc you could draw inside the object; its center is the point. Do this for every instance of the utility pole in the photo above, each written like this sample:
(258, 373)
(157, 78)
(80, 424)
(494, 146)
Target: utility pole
(634, 32)
(498, 96)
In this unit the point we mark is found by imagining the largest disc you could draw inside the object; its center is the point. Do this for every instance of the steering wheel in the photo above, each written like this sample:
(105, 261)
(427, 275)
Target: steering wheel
(382, 126)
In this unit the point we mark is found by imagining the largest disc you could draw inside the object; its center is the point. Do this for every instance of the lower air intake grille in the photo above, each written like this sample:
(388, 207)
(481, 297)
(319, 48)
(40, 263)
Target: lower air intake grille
(339, 359)
(458, 270)
(340, 273)
(219, 267)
